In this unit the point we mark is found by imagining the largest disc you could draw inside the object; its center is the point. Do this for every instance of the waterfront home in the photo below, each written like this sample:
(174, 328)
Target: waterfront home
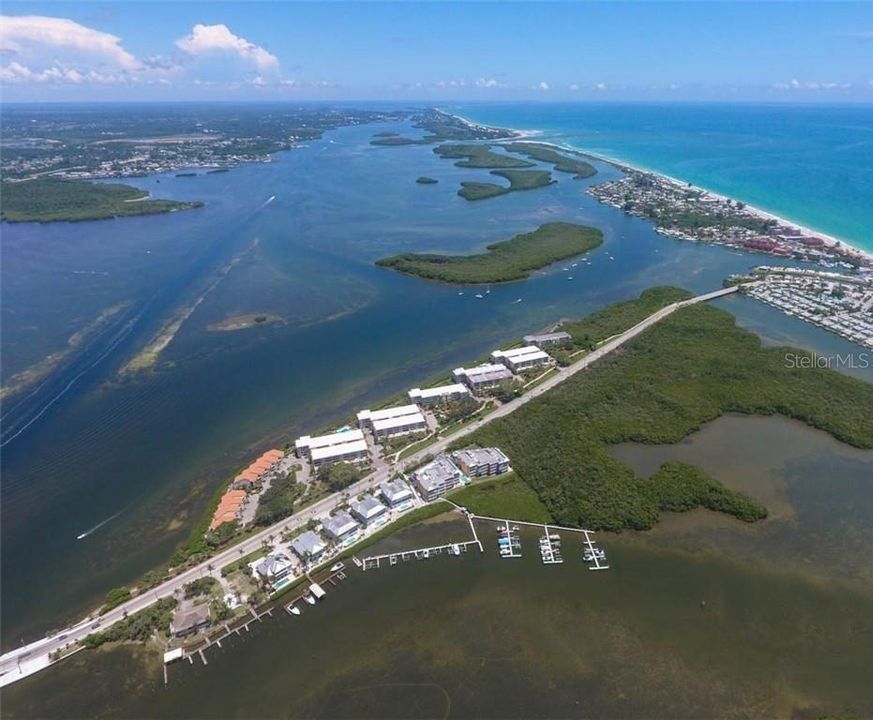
(394, 421)
(546, 339)
(274, 567)
(253, 474)
(229, 508)
(479, 462)
(340, 527)
(309, 546)
(395, 492)
(482, 377)
(368, 510)
(432, 396)
(523, 358)
(436, 478)
(345, 446)
(189, 618)
(305, 444)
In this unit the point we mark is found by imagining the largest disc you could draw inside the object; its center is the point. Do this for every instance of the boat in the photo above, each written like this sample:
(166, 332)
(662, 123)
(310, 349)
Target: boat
(569, 277)
(566, 269)
(555, 536)
(336, 568)
(479, 296)
(292, 609)
(518, 300)
(574, 264)
(309, 599)
(461, 292)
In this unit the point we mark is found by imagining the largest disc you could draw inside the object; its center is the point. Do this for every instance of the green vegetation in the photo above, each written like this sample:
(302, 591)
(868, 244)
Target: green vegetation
(504, 496)
(114, 598)
(243, 561)
(339, 476)
(617, 318)
(425, 180)
(201, 586)
(666, 383)
(678, 487)
(518, 180)
(512, 259)
(139, 627)
(443, 126)
(392, 140)
(479, 156)
(48, 200)
(578, 167)
(278, 500)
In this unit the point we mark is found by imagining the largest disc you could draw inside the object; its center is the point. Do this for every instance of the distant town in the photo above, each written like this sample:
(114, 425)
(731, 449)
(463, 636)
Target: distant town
(689, 213)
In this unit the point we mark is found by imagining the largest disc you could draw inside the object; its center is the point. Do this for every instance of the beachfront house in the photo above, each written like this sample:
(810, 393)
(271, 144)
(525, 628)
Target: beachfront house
(395, 493)
(436, 478)
(309, 546)
(479, 462)
(369, 511)
(341, 527)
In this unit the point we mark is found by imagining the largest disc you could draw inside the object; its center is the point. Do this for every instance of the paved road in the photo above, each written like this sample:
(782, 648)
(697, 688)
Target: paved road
(31, 658)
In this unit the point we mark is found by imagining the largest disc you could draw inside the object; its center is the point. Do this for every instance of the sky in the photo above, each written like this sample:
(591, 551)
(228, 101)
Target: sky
(410, 51)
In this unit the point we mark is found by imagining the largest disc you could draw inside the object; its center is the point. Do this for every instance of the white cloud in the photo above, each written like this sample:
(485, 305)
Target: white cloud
(573, 87)
(542, 85)
(34, 38)
(211, 39)
(796, 84)
(600, 86)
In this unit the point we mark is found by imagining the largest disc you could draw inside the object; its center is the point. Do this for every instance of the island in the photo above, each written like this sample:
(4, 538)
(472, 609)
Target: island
(504, 261)
(479, 156)
(47, 199)
(425, 180)
(544, 153)
(244, 322)
(518, 180)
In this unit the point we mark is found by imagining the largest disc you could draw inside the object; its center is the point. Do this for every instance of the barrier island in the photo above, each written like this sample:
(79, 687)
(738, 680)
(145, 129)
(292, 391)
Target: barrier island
(686, 371)
(52, 200)
(504, 261)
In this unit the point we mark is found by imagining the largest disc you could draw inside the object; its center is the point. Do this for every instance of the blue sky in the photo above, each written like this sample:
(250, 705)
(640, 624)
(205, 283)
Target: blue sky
(453, 51)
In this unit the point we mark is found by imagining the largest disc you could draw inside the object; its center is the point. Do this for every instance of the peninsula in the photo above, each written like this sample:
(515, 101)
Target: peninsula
(505, 261)
(46, 199)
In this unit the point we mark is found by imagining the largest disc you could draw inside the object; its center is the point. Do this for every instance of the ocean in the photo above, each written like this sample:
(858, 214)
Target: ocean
(135, 458)
(812, 164)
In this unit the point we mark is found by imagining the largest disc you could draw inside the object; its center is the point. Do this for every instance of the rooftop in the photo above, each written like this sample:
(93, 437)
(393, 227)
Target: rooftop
(436, 473)
(340, 449)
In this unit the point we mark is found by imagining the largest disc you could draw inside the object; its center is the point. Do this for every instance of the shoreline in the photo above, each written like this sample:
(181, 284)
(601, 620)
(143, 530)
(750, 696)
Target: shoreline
(625, 166)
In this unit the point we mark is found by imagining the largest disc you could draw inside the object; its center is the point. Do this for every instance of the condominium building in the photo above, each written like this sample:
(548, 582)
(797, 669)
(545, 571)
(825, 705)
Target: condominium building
(436, 478)
(523, 358)
(435, 395)
(478, 462)
(482, 377)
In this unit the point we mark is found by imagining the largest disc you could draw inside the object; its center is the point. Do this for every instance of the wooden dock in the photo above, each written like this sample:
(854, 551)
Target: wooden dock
(374, 562)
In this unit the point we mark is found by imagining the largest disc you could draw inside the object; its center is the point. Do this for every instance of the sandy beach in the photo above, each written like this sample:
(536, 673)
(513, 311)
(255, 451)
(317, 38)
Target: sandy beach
(527, 135)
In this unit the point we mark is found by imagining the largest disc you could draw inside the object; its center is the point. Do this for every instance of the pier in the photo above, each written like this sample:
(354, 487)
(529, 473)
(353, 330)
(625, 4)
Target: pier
(374, 562)
(550, 549)
(591, 553)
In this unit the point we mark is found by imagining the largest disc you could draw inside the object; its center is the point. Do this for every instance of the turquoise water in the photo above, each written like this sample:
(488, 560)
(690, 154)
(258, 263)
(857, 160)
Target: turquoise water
(812, 164)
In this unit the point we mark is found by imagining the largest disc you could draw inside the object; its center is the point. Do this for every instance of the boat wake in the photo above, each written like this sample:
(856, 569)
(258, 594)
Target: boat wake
(99, 525)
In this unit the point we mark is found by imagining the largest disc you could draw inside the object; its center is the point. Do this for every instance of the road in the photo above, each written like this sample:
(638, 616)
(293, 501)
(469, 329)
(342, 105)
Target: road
(31, 658)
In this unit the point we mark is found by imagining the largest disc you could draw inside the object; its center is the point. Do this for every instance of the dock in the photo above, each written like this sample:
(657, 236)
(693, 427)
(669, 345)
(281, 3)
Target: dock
(374, 562)
(508, 543)
(591, 553)
(550, 548)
